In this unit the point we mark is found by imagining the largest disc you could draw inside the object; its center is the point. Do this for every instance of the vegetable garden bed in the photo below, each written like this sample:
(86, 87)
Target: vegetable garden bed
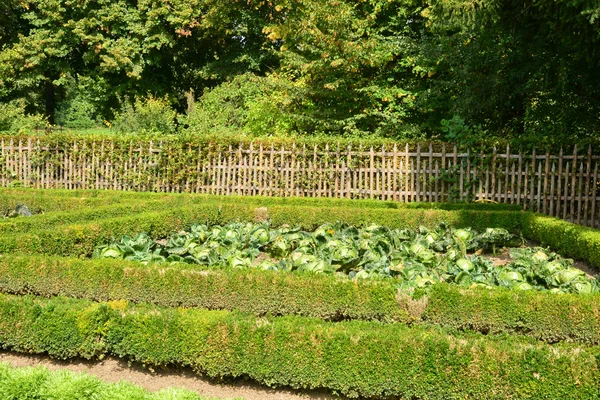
(397, 301)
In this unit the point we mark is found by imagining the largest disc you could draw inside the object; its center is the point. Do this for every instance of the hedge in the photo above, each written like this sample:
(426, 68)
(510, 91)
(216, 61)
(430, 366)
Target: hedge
(53, 219)
(41, 203)
(40, 384)
(80, 239)
(38, 196)
(542, 315)
(569, 239)
(351, 358)
(254, 291)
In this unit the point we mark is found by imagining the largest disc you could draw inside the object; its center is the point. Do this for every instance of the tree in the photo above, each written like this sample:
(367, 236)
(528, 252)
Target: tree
(131, 47)
(354, 61)
(517, 66)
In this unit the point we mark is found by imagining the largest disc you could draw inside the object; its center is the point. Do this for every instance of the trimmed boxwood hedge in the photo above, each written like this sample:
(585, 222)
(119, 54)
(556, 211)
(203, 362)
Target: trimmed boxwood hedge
(254, 291)
(569, 239)
(62, 196)
(58, 218)
(80, 239)
(541, 315)
(351, 358)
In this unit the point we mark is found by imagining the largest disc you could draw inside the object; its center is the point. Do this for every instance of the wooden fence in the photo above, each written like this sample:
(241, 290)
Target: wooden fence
(561, 185)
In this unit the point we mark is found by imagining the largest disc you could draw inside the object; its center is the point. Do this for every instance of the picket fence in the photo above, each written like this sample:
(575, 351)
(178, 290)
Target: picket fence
(561, 185)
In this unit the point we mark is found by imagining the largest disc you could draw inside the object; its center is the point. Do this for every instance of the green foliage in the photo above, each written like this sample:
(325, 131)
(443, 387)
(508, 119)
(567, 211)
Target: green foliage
(81, 105)
(541, 315)
(247, 105)
(80, 239)
(573, 240)
(351, 358)
(146, 115)
(80, 204)
(41, 384)
(521, 69)
(14, 119)
(77, 114)
(354, 63)
(255, 291)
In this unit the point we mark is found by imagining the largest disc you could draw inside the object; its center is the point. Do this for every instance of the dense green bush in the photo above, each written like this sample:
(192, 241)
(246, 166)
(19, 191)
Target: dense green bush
(351, 358)
(80, 239)
(40, 384)
(572, 240)
(43, 201)
(544, 316)
(46, 221)
(247, 105)
(254, 291)
(9, 196)
(146, 115)
(14, 119)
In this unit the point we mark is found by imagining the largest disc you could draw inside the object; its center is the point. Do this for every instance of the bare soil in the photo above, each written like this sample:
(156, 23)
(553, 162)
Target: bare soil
(114, 370)
(502, 257)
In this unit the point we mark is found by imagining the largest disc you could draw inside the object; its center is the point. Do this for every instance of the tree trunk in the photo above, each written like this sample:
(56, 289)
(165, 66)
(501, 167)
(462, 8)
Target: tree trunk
(50, 100)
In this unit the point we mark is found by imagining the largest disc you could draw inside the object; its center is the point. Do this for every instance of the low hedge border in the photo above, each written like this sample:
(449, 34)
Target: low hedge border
(254, 291)
(58, 218)
(63, 195)
(41, 384)
(351, 358)
(80, 239)
(541, 315)
(569, 239)
(44, 204)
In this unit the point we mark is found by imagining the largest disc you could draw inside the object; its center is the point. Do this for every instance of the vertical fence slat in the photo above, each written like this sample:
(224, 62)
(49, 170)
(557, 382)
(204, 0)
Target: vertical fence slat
(573, 184)
(556, 213)
(580, 190)
(552, 175)
(506, 174)
(407, 175)
(546, 176)
(588, 172)
(595, 223)
(566, 193)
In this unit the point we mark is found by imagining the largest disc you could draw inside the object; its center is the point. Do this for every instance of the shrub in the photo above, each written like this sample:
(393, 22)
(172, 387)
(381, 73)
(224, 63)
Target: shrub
(76, 114)
(541, 315)
(572, 240)
(350, 358)
(80, 239)
(248, 104)
(14, 119)
(146, 115)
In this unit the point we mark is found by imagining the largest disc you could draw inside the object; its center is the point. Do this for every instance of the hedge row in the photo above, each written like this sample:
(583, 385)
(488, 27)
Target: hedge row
(351, 358)
(40, 203)
(80, 239)
(57, 218)
(254, 291)
(569, 239)
(52, 195)
(40, 384)
(541, 315)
